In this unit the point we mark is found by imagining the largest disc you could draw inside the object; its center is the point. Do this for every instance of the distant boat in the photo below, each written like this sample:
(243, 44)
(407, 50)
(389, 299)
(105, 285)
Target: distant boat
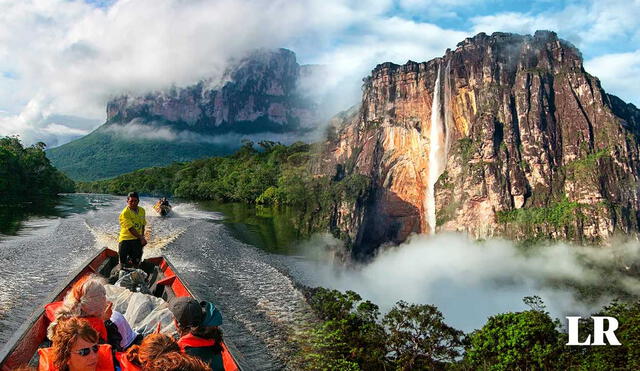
(165, 283)
(162, 209)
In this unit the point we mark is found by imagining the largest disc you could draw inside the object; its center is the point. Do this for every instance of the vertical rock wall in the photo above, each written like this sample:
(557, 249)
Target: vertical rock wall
(536, 148)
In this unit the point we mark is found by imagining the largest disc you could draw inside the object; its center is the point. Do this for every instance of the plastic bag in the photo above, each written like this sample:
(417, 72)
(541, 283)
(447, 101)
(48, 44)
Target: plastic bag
(142, 311)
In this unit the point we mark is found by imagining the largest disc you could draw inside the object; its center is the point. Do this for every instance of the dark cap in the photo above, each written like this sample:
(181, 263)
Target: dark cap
(187, 311)
(133, 194)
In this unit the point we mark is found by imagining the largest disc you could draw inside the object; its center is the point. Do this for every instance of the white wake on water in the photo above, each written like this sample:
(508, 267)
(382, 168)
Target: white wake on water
(188, 210)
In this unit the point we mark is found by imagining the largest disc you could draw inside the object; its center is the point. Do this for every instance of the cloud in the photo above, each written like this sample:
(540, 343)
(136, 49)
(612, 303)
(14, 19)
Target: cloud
(378, 40)
(587, 24)
(79, 55)
(619, 73)
(138, 130)
(134, 130)
(437, 8)
(82, 53)
(470, 280)
(512, 22)
(598, 28)
(36, 124)
(59, 129)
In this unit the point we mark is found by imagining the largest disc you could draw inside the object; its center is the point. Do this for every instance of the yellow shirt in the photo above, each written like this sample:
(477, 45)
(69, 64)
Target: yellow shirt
(129, 219)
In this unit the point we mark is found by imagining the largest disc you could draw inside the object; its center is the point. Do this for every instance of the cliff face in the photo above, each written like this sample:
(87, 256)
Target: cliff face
(506, 135)
(259, 94)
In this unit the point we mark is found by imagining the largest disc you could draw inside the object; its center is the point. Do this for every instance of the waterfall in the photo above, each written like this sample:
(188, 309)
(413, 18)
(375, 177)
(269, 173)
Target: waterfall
(447, 111)
(437, 149)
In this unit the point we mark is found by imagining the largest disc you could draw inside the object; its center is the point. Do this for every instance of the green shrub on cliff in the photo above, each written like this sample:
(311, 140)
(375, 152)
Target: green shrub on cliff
(557, 214)
(584, 169)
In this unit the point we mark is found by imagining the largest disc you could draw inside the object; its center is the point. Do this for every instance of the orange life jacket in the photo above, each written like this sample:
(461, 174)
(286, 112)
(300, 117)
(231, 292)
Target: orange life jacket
(50, 310)
(97, 323)
(105, 360)
(192, 341)
(125, 364)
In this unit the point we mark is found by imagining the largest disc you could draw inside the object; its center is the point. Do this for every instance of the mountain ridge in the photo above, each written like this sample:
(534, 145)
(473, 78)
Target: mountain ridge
(257, 96)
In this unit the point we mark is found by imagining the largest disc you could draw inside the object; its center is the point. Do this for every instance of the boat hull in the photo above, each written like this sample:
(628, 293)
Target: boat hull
(24, 343)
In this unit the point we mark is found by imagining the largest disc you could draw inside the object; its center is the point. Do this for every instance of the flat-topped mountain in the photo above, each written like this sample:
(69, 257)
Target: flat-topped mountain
(507, 135)
(258, 95)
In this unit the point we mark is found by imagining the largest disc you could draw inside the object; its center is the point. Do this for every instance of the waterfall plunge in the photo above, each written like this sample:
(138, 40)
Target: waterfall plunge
(438, 143)
(447, 112)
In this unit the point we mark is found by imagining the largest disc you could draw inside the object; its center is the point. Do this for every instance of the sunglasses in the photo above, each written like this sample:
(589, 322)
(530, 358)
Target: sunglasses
(85, 351)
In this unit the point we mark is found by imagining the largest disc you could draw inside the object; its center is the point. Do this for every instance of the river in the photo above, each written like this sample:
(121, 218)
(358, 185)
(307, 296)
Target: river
(250, 262)
(260, 304)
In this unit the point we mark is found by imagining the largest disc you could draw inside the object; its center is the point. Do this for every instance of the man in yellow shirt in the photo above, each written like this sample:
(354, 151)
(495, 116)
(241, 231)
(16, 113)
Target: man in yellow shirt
(131, 238)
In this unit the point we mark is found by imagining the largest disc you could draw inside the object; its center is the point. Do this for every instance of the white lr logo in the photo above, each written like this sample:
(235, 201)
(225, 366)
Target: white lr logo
(598, 331)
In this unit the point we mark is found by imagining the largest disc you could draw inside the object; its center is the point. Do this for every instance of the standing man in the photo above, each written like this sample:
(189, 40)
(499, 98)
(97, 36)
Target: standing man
(131, 239)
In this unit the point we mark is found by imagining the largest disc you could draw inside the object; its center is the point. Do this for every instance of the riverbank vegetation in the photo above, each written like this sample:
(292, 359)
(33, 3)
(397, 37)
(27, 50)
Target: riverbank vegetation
(270, 174)
(352, 335)
(26, 175)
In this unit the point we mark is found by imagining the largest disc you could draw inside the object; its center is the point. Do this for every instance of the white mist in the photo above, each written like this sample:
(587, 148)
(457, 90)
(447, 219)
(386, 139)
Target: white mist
(470, 281)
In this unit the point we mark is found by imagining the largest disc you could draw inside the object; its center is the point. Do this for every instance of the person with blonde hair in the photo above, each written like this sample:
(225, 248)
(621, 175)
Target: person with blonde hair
(75, 348)
(86, 299)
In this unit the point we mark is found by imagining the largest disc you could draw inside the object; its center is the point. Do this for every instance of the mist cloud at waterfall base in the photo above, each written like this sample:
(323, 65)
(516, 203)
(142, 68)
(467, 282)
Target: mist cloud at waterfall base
(470, 281)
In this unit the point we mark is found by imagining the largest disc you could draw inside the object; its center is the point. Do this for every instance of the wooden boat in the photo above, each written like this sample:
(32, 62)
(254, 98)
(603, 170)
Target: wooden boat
(165, 284)
(163, 210)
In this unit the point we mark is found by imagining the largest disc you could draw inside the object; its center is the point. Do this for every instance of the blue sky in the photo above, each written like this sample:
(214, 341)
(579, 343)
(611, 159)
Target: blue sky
(62, 58)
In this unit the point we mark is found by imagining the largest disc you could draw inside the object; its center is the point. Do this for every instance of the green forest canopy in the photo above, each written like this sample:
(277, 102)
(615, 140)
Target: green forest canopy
(273, 174)
(350, 335)
(26, 174)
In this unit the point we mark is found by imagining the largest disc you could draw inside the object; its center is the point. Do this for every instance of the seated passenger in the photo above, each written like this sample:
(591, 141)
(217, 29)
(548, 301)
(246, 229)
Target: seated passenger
(75, 347)
(152, 347)
(197, 325)
(87, 299)
(175, 361)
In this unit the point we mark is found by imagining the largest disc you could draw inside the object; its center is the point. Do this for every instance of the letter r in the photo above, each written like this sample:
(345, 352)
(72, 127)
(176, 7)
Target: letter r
(599, 331)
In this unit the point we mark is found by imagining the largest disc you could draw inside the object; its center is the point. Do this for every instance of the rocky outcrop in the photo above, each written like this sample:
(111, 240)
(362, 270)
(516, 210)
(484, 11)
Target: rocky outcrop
(258, 94)
(522, 141)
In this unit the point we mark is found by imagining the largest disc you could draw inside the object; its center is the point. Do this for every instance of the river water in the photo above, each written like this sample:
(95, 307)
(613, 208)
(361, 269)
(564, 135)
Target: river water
(250, 262)
(260, 304)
